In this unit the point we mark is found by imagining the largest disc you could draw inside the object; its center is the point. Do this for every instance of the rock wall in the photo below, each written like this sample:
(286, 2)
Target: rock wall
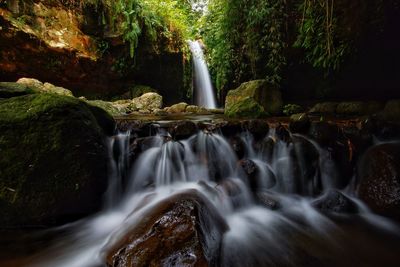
(69, 46)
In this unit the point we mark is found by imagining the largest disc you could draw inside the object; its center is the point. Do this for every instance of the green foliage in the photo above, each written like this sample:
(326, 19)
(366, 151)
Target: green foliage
(291, 109)
(319, 34)
(245, 40)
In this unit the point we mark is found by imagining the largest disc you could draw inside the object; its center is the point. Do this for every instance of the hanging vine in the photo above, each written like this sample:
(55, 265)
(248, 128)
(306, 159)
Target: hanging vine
(319, 35)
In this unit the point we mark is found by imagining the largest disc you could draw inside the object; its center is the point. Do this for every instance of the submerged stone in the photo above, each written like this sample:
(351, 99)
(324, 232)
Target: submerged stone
(335, 201)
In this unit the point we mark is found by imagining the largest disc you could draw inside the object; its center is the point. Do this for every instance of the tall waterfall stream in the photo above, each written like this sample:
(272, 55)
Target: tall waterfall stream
(206, 165)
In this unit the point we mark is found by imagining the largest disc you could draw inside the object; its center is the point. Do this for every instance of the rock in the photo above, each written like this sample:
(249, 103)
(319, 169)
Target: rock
(148, 101)
(177, 108)
(138, 90)
(38, 86)
(52, 89)
(183, 129)
(257, 182)
(266, 147)
(335, 201)
(197, 110)
(53, 167)
(379, 179)
(324, 133)
(282, 133)
(9, 89)
(378, 126)
(324, 108)
(183, 230)
(391, 111)
(268, 200)
(258, 128)
(291, 109)
(358, 108)
(238, 146)
(299, 123)
(113, 110)
(253, 99)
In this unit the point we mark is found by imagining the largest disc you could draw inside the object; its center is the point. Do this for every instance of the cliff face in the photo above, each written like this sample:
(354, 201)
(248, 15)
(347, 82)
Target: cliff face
(70, 45)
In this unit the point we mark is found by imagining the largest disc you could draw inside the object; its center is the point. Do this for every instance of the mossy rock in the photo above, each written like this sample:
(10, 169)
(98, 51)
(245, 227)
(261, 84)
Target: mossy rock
(324, 108)
(358, 108)
(254, 99)
(391, 111)
(39, 87)
(10, 89)
(109, 107)
(53, 159)
(177, 108)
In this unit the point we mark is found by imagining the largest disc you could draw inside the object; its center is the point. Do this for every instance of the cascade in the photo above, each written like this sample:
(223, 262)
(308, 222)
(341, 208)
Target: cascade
(207, 164)
(203, 89)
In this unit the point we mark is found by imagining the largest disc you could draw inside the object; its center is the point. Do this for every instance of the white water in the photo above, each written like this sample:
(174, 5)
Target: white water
(204, 93)
(257, 236)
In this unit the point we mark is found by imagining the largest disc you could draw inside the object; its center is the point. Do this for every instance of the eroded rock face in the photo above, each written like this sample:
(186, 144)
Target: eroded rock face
(183, 230)
(379, 179)
(253, 99)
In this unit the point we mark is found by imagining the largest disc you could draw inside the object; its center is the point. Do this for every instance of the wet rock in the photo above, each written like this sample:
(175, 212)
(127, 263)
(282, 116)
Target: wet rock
(268, 200)
(177, 108)
(324, 108)
(230, 128)
(9, 89)
(306, 167)
(259, 179)
(324, 133)
(379, 179)
(282, 133)
(53, 159)
(335, 201)
(377, 126)
(266, 147)
(253, 99)
(299, 123)
(238, 146)
(291, 109)
(258, 128)
(183, 230)
(183, 129)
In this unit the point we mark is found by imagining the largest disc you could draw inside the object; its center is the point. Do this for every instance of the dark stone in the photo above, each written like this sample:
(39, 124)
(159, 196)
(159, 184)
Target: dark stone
(282, 133)
(183, 230)
(266, 147)
(299, 123)
(379, 179)
(230, 128)
(258, 128)
(53, 164)
(268, 200)
(335, 201)
(238, 146)
(183, 130)
(254, 175)
(324, 133)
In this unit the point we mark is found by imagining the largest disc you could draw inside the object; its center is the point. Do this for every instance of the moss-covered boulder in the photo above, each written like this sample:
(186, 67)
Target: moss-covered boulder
(53, 163)
(147, 101)
(253, 99)
(324, 108)
(9, 89)
(391, 111)
(177, 108)
(358, 108)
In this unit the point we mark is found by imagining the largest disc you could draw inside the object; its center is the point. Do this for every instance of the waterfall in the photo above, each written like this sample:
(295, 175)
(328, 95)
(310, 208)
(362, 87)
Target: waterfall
(204, 93)
(206, 163)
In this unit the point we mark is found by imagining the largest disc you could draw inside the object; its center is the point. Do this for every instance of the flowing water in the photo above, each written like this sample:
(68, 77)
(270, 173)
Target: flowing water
(206, 163)
(203, 89)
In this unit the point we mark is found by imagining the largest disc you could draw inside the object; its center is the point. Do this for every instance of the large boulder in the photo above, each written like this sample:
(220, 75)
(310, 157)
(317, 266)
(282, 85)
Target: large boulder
(379, 179)
(358, 108)
(53, 159)
(254, 99)
(324, 108)
(182, 230)
(112, 108)
(391, 111)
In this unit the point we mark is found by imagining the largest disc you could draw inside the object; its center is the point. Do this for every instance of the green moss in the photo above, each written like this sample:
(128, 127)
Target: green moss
(50, 146)
(245, 108)
(107, 106)
(10, 89)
